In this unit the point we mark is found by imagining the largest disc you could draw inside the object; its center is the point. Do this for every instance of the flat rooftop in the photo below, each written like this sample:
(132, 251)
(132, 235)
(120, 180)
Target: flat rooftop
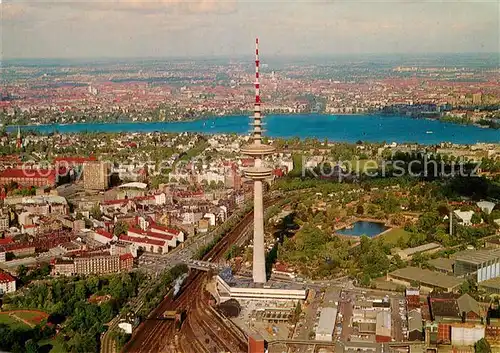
(421, 248)
(442, 264)
(326, 323)
(428, 277)
(493, 283)
(495, 241)
(478, 257)
(245, 282)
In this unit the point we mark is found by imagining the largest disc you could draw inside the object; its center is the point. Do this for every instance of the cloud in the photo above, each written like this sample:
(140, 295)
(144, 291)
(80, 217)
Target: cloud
(178, 6)
(119, 28)
(10, 11)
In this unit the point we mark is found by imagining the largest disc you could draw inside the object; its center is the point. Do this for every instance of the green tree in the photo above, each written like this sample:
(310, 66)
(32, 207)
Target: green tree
(95, 212)
(298, 310)
(30, 346)
(482, 346)
(428, 221)
(476, 218)
(365, 280)
(80, 290)
(120, 228)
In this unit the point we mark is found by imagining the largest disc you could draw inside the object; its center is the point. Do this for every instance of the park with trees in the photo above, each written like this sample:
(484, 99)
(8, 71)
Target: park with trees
(79, 309)
(416, 209)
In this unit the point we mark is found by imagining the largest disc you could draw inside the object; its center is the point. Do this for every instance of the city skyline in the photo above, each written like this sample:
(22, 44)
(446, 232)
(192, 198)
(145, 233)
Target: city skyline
(170, 28)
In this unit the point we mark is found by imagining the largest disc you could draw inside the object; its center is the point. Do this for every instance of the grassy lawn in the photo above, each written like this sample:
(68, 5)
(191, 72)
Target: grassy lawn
(394, 234)
(56, 347)
(12, 322)
(29, 315)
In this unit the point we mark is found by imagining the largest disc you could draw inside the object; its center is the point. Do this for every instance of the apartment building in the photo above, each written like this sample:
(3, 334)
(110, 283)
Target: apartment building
(100, 264)
(96, 175)
(7, 283)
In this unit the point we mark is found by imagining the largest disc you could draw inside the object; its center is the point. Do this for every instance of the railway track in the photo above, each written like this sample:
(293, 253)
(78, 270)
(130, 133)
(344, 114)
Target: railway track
(154, 335)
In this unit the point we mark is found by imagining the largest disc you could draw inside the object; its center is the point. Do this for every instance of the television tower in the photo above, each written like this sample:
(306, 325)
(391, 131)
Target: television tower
(258, 173)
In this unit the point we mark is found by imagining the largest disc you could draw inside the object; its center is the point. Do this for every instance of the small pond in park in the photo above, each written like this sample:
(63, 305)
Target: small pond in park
(359, 228)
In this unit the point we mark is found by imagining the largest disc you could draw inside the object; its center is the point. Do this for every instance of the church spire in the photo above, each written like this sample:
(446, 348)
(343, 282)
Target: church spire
(19, 141)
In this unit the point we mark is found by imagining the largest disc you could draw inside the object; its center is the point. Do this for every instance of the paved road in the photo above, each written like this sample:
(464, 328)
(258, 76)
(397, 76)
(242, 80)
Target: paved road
(346, 309)
(306, 324)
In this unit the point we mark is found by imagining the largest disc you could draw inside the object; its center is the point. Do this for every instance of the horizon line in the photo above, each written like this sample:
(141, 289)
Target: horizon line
(238, 56)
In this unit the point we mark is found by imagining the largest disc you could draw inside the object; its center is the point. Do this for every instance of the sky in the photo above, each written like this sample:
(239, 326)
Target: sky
(198, 28)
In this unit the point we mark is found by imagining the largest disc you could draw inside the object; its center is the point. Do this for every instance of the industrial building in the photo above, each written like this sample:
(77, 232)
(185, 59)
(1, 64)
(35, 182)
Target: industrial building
(442, 264)
(427, 279)
(491, 286)
(492, 243)
(465, 334)
(365, 347)
(231, 287)
(326, 324)
(412, 296)
(484, 264)
(383, 329)
(415, 327)
(429, 248)
(448, 310)
(469, 308)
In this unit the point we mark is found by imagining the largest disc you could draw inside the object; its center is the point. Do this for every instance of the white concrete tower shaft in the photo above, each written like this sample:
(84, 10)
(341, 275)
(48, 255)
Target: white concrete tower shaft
(259, 257)
(258, 173)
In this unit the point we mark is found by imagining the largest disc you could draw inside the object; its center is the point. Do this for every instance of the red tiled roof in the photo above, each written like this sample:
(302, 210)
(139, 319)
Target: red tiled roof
(115, 202)
(6, 241)
(159, 235)
(102, 232)
(165, 229)
(150, 234)
(79, 160)
(27, 173)
(137, 231)
(189, 193)
(281, 267)
(278, 172)
(142, 240)
(10, 158)
(16, 246)
(126, 256)
(5, 277)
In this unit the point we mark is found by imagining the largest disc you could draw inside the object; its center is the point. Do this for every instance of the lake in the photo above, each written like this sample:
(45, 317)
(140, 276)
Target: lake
(370, 229)
(342, 128)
